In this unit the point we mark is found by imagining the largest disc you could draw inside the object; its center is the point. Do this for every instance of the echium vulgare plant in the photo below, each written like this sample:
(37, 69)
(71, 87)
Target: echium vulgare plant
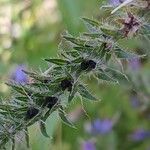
(88, 54)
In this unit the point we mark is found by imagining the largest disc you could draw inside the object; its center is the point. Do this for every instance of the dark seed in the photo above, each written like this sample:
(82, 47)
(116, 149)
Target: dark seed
(46, 81)
(31, 112)
(29, 94)
(92, 64)
(50, 101)
(89, 64)
(66, 84)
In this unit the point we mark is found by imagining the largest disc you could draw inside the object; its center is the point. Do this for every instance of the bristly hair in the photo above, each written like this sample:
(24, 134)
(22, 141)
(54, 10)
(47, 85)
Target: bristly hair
(90, 53)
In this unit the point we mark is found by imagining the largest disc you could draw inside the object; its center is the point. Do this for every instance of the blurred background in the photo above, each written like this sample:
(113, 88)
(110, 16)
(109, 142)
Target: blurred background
(30, 30)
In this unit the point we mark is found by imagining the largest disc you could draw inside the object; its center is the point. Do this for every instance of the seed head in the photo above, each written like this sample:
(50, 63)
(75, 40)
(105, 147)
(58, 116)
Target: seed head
(46, 81)
(31, 112)
(66, 84)
(88, 64)
(50, 101)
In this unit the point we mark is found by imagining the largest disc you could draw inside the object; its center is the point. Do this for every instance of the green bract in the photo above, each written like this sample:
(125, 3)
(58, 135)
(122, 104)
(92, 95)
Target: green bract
(78, 56)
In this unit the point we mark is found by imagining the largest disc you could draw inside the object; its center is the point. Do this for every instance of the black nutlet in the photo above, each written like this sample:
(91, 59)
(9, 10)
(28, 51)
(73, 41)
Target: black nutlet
(92, 64)
(88, 64)
(31, 112)
(66, 84)
(50, 101)
(29, 93)
(46, 81)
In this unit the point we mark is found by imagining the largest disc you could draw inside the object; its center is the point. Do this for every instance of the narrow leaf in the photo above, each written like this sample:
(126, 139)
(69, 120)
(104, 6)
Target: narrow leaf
(57, 61)
(125, 55)
(37, 76)
(64, 118)
(91, 22)
(13, 144)
(43, 129)
(85, 93)
(110, 32)
(47, 114)
(104, 76)
(20, 88)
(77, 60)
(108, 56)
(27, 138)
(93, 35)
(77, 41)
(116, 74)
(73, 92)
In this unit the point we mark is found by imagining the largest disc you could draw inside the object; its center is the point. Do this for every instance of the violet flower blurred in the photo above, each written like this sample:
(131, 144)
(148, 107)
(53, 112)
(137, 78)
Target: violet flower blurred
(88, 145)
(18, 75)
(100, 126)
(135, 64)
(116, 2)
(139, 135)
(135, 102)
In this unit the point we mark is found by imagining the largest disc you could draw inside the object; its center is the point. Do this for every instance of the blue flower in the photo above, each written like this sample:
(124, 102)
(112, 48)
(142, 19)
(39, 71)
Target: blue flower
(18, 75)
(135, 64)
(135, 102)
(99, 126)
(88, 145)
(140, 135)
(116, 2)
(102, 126)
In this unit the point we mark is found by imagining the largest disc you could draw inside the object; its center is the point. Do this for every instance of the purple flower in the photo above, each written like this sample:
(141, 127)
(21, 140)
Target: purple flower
(135, 64)
(18, 75)
(135, 102)
(88, 145)
(116, 2)
(102, 126)
(139, 135)
(99, 126)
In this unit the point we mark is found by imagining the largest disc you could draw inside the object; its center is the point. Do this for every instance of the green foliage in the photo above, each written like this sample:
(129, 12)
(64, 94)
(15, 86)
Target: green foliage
(88, 54)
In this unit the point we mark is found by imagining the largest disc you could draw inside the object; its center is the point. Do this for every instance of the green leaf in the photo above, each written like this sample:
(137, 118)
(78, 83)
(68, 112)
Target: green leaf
(102, 53)
(111, 32)
(73, 53)
(22, 98)
(77, 41)
(93, 35)
(20, 88)
(64, 118)
(32, 74)
(27, 138)
(47, 114)
(73, 92)
(57, 61)
(102, 50)
(3, 142)
(91, 22)
(108, 56)
(124, 54)
(116, 74)
(85, 93)
(7, 107)
(83, 49)
(145, 30)
(13, 144)
(36, 76)
(43, 129)
(77, 60)
(104, 76)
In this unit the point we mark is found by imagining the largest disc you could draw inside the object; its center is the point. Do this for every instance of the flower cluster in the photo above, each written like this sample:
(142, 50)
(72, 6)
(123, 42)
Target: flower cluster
(78, 56)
